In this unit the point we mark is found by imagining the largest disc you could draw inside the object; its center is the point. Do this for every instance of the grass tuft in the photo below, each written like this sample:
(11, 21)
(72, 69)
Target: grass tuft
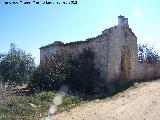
(34, 107)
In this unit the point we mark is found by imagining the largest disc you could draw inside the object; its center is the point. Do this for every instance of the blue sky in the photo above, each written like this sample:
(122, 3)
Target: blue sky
(32, 26)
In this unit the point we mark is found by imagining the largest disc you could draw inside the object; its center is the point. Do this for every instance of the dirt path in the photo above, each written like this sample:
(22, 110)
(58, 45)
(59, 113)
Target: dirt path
(141, 103)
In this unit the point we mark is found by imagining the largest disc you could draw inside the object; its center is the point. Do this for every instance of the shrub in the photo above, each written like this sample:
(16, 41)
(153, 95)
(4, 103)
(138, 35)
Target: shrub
(17, 66)
(53, 72)
(147, 54)
(45, 96)
(84, 75)
(62, 68)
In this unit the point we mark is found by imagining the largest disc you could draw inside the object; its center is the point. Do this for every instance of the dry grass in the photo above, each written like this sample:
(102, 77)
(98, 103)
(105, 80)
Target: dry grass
(33, 107)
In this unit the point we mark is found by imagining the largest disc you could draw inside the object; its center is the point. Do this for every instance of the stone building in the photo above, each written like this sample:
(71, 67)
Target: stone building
(115, 52)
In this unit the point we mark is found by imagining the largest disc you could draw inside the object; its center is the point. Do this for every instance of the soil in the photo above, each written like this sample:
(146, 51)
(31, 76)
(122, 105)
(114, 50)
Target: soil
(139, 103)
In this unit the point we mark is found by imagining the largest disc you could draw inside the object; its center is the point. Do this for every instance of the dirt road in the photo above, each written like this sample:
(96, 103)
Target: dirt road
(141, 103)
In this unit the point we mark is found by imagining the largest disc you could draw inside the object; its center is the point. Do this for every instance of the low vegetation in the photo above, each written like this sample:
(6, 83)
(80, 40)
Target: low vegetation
(62, 68)
(34, 107)
(79, 73)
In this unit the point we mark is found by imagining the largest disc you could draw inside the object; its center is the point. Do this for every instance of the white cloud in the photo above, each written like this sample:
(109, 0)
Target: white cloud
(137, 12)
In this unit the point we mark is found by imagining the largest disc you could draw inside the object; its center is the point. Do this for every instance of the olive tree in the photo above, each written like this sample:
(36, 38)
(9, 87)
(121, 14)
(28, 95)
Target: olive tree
(147, 54)
(17, 66)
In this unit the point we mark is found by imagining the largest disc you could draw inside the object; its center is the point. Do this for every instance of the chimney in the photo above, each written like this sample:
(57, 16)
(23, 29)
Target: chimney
(120, 20)
(123, 22)
(126, 22)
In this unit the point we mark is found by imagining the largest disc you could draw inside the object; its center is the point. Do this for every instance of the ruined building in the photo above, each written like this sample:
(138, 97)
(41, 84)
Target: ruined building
(115, 52)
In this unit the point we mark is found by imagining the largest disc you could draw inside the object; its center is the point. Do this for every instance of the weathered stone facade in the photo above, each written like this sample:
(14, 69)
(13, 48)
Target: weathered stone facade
(116, 52)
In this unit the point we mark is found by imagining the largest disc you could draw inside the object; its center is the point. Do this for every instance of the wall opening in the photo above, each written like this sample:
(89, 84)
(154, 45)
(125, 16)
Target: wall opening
(125, 64)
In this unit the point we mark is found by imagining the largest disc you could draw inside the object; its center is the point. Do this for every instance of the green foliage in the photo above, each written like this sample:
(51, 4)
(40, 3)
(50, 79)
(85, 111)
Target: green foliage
(34, 107)
(17, 66)
(84, 75)
(53, 72)
(45, 96)
(69, 102)
(15, 107)
(62, 68)
(38, 82)
(147, 54)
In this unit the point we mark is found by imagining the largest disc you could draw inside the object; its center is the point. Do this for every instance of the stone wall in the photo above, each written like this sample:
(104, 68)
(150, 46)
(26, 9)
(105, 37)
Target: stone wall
(109, 48)
(97, 44)
(47, 51)
(116, 54)
(148, 71)
(122, 52)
